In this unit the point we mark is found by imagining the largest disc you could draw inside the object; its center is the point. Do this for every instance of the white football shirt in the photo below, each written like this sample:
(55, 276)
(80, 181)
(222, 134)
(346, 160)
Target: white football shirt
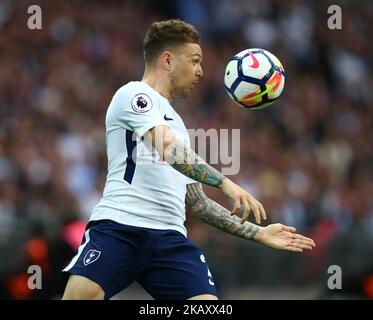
(141, 190)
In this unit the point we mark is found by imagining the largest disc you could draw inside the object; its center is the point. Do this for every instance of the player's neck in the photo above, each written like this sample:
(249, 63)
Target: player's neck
(159, 82)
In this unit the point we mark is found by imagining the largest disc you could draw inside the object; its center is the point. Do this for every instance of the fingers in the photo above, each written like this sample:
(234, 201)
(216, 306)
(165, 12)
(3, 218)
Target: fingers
(304, 242)
(241, 197)
(297, 247)
(297, 239)
(246, 211)
(237, 207)
(256, 212)
(287, 228)
(262, 211)
(292, 248)
(248, 206)
(299, 236)
(300, 246)
(302, 239)
(307, 243)
(299, 243)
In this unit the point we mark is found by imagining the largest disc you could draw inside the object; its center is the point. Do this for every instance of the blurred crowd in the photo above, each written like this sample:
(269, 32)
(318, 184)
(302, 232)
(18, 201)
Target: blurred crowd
(308, 158)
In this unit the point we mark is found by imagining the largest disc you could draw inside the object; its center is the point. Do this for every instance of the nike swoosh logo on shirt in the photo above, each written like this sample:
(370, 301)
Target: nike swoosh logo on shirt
(166, 118)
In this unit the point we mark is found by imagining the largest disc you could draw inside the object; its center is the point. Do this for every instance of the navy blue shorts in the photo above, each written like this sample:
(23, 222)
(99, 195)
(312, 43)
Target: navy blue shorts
(164, 262)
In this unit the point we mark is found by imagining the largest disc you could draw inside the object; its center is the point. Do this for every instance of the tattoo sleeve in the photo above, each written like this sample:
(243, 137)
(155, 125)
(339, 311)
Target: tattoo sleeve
(216, 215)
(187, 162)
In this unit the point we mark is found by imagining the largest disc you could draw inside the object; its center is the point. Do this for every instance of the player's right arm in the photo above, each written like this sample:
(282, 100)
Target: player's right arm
(182, 158)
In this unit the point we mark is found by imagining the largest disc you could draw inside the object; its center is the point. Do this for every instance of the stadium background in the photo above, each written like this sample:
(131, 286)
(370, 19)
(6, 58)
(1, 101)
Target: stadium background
(308, 158)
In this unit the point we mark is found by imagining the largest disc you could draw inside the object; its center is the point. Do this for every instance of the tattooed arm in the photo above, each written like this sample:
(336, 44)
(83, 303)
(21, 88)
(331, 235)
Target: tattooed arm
(216, 215)
(183, 159)
(276, 235)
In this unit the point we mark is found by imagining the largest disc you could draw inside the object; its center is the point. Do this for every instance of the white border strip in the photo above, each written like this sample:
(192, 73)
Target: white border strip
(73, 261)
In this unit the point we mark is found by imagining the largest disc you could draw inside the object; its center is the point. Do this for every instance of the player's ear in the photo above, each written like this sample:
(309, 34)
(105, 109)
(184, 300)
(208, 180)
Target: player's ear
(166, 60)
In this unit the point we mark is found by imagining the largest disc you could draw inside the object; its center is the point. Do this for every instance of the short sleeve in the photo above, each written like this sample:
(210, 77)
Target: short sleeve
(140, 110)
(189, 180)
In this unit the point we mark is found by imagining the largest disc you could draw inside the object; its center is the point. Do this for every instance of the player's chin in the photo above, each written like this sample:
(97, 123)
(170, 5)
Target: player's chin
(184, 93)
(189, 90)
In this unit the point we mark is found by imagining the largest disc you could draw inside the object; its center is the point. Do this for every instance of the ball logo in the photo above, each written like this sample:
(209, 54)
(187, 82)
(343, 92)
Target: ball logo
(141, 103)
(255, 64)
(91, 256)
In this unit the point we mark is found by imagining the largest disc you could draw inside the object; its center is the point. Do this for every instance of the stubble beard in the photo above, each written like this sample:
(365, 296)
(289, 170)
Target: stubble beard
(178, 91)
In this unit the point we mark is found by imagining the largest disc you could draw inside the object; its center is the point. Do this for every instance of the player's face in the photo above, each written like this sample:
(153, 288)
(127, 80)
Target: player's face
(186, 69)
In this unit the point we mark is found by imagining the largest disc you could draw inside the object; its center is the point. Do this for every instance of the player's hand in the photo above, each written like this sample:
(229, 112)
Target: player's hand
(279, 236)
(243, 199)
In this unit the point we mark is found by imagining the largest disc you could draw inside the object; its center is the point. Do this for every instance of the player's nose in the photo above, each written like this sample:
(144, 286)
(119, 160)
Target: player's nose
(199, 73)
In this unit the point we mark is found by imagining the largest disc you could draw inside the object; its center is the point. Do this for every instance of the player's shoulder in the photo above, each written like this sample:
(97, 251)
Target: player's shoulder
(133, 88)
(137, 94)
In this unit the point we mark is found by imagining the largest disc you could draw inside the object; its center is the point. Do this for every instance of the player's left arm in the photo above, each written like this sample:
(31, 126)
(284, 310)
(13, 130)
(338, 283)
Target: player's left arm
(277, 236)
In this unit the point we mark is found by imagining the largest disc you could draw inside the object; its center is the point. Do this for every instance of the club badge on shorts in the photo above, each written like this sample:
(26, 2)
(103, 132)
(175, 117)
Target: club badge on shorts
(91, 256)
(141, 103)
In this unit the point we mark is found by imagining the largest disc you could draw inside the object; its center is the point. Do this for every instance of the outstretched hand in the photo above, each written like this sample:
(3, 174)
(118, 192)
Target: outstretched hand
(279, 236)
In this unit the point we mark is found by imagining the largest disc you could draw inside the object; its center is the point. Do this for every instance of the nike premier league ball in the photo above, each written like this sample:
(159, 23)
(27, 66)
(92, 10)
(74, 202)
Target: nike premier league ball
(254, 78)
